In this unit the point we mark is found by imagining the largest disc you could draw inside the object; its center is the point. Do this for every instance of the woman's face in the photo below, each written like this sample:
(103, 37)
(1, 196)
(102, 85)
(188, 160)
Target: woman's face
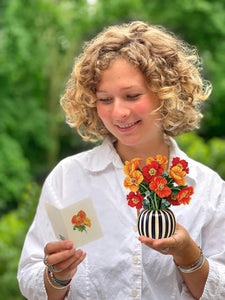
(125, 104)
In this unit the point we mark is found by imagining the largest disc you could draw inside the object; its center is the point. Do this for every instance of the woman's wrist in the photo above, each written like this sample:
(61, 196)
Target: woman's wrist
(187, 255)
(56, 283)
(194, 266)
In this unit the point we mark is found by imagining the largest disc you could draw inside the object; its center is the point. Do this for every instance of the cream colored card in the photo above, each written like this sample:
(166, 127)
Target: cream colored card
(78, 222)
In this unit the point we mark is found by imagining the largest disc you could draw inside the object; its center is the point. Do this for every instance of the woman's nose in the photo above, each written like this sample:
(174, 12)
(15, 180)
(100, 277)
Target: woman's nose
(120, 109)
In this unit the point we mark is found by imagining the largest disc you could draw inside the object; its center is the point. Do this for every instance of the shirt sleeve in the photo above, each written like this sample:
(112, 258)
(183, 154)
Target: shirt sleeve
(213, 237)
(31, 267)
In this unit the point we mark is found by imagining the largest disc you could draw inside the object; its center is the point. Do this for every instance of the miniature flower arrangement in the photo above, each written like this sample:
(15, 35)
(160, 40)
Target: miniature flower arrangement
(155, 188)
(80, 221)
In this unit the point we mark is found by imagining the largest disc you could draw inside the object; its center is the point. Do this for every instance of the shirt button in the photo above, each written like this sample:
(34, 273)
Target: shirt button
(135, 260)
(135, 228)
(134, 293)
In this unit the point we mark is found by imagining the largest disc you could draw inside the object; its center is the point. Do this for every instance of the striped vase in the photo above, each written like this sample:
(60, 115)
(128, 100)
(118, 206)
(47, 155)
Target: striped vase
(156, 224)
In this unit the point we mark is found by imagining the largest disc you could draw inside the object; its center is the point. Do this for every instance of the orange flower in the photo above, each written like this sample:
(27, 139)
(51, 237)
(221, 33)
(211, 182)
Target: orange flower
(82, 215)
(133, 180)
(159, 186)
(162, 160)
(76, 220)
(184, 196)
(132, 165)
(73, 219)
(79, 218)
(87, 222)
(178, 175)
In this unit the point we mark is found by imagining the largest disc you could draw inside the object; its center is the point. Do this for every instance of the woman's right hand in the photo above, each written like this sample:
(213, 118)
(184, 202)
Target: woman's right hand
(64, 258)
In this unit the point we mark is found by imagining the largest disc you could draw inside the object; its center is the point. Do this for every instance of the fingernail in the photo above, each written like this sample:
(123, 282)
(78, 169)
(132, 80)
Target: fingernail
(80, 252)
(69, 245)
(73, 250)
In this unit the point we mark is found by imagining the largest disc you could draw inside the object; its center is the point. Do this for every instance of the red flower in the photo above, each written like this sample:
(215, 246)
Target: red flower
(135, 199)
(184, 196)
(173, 199)
(152, 170)
(181, 163)
(159, 186)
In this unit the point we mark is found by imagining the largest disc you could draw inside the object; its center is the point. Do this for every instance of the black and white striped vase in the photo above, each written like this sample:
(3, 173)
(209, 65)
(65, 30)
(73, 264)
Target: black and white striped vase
(156, 224)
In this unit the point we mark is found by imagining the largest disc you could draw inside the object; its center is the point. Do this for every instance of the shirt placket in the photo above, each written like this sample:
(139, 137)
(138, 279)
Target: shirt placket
(136, 280)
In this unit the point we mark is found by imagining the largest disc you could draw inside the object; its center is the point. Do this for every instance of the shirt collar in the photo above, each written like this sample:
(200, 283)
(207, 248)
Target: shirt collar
(102, 156)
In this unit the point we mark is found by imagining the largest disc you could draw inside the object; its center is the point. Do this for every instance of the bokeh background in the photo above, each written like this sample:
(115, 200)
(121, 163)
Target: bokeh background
(38, 43)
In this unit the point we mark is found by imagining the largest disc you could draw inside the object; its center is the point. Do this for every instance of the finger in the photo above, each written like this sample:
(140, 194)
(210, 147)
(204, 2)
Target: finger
(75, 264)
(58, 257)
(160, 244)
(58, 246)
(75, 259)
(69, 267)
(146, 240)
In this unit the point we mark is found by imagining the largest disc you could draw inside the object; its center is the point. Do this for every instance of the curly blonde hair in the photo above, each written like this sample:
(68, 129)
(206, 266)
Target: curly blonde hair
(170, 66)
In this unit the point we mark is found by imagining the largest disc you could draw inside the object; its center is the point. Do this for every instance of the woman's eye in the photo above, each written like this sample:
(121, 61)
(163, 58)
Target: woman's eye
(105, 100)
(133, 96)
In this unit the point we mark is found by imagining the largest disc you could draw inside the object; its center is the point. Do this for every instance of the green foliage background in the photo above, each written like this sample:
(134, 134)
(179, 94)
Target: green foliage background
(38, 43)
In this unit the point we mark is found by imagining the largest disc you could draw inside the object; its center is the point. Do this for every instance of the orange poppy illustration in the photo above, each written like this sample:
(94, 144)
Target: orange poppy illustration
(80, 221)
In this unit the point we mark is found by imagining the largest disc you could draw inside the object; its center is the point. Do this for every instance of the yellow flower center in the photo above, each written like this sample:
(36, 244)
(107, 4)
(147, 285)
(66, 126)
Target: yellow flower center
(134, 200)
(173, 197)
(152, 171)
(161, 186)
(133, 180)
(180, 166)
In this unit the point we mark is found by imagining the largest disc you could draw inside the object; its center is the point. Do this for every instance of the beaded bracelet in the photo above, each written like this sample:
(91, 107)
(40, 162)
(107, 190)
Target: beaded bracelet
(55, 283)
(195, 266)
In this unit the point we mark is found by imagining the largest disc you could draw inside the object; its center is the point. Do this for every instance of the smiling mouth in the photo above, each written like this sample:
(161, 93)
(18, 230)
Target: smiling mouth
(127, 125)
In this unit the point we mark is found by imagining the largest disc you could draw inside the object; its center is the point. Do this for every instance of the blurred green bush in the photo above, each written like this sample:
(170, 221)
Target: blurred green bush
(210, 153)
(14, 172)
(13, 228)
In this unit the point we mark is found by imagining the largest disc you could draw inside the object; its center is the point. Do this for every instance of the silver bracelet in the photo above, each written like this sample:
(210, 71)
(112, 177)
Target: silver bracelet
(196, 267)
(52, 285)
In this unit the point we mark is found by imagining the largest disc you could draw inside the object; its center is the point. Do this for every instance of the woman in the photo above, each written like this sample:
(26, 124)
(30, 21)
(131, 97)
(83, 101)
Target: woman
(136, 86)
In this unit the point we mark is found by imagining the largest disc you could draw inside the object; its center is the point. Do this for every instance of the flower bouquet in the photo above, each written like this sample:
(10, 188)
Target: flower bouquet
(155, 189)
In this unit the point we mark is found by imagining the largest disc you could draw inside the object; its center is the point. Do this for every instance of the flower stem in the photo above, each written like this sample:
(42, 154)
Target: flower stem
(156, 206)
(142, 185)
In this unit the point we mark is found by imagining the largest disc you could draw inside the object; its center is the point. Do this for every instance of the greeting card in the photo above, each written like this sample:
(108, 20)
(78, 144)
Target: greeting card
(77, 222)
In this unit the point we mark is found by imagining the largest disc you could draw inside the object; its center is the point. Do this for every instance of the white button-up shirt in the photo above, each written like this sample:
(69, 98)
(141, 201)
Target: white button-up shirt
(118, 266)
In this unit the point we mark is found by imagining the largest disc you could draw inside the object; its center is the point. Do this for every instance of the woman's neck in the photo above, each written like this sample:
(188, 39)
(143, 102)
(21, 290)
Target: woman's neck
(152, 149)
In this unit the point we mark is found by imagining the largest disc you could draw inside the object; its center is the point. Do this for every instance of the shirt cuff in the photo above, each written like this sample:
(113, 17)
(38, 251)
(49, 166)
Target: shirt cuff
(215, 284)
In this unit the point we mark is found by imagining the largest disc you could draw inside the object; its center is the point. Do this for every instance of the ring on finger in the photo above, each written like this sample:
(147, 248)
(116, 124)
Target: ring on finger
(165, 250)
(54, 268)
(45, 260)
(175, 241)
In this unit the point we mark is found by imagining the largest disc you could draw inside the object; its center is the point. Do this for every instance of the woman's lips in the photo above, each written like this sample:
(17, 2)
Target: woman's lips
(127, 127)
